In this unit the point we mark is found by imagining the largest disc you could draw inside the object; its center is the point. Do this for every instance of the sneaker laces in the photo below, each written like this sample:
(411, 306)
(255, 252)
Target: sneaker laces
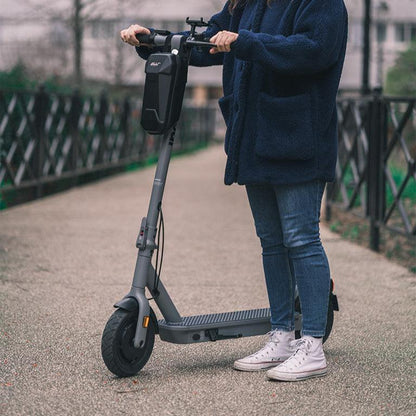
(296, 343)
(272, 337)
(272, 342)
(302, 346)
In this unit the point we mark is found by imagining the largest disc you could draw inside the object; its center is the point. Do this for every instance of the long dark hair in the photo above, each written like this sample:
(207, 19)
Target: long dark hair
(235, 3)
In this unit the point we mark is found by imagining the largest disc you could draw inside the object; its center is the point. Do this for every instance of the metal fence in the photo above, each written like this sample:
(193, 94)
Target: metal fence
(376, 169)
(48, 138)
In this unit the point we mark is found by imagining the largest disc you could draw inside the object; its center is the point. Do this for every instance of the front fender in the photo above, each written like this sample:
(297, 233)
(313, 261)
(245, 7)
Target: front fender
(130, 304)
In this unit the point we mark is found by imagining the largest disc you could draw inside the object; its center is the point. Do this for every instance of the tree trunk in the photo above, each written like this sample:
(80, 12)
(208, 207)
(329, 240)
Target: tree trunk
(78, 35)
(365, 83)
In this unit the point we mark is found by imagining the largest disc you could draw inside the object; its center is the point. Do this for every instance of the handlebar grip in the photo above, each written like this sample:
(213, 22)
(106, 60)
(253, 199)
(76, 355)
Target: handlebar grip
(143, 38)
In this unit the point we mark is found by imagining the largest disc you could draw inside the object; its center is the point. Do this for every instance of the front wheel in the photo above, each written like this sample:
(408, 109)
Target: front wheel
(117, 343)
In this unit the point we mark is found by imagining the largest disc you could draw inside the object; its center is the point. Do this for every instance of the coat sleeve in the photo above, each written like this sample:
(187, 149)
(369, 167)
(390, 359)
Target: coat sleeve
(218, 22)
(319, 32)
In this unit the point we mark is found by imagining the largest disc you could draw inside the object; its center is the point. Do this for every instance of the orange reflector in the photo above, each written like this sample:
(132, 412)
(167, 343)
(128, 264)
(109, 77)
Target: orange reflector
(146, 321)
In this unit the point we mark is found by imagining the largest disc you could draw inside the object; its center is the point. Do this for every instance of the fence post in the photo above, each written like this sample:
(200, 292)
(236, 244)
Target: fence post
(102, 113)
(73, 121)
(124, 127)
(40, 111)
(375, 170)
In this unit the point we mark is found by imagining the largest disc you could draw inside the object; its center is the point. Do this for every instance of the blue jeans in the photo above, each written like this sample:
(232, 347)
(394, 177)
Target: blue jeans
(287, 222)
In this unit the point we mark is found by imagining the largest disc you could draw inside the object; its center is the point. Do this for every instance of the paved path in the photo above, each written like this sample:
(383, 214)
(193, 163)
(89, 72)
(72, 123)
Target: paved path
(65, 259)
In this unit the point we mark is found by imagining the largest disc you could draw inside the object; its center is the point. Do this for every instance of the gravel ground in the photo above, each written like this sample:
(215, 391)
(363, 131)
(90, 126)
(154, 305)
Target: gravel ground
(66, 259)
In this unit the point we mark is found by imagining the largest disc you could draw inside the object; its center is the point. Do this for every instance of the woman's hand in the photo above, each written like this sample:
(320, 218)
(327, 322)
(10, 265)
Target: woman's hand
(223, 41)
(129, 35)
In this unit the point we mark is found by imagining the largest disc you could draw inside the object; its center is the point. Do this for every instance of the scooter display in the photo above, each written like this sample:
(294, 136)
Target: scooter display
(129, 335)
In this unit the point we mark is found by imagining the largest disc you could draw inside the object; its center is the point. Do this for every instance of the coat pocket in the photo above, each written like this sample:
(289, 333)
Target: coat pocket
(226, 106)
(285, 129)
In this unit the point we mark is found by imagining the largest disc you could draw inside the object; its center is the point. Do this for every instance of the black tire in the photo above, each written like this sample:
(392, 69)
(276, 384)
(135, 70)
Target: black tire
(117, 349)
(329, 318)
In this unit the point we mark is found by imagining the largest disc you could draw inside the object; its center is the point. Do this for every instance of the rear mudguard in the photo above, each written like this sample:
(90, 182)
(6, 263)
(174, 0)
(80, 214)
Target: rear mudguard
(333, 297)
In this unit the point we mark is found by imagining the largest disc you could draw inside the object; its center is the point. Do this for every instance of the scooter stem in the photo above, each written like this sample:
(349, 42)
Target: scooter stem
(146, 241)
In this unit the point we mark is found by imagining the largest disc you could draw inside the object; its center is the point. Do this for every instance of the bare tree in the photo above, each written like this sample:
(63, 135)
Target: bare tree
(75, 18)
(82, 10)
(78, 29)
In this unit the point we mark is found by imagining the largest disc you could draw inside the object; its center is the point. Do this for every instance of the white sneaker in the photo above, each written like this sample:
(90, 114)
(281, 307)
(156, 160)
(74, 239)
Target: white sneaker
(279, 347)
(306, 362)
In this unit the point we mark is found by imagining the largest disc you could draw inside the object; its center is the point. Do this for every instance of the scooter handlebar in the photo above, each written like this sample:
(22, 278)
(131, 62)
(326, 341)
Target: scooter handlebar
(200, 43)
(144, 38)
(158, 39)
(154, 38)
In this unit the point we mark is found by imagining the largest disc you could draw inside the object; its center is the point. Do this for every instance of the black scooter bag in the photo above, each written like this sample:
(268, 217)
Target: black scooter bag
(163, 92)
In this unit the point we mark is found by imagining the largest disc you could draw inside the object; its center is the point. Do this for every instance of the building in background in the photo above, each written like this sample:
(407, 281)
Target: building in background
(392, 31)
(41, 35)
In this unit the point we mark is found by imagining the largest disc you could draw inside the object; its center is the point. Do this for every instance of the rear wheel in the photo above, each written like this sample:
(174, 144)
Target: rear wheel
(117, 347)
(329, 317)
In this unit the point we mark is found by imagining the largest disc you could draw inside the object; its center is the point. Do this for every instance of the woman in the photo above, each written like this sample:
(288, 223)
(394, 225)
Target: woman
(282, 62)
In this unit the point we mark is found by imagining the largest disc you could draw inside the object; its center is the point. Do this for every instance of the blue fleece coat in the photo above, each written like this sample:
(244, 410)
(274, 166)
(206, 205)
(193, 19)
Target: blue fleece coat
(280, 83)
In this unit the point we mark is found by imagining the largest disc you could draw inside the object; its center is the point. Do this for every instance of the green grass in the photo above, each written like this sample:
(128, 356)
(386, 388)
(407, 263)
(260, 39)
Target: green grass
(399, 175)
(334, 227)
(349, 182)
(355, 232)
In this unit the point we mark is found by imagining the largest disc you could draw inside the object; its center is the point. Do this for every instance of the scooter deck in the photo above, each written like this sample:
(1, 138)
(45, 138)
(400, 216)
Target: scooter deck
(217, 326)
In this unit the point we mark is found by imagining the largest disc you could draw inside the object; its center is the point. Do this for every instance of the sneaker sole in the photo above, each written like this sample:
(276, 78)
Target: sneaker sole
(255, 367)
(298, 376)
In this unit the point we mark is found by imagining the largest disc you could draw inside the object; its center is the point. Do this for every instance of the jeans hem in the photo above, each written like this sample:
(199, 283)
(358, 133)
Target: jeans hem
(283, 328)
(319, 334)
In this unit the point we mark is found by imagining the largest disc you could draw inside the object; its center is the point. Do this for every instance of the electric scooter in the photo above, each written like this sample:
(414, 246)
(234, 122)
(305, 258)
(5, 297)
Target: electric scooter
(129, 335)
